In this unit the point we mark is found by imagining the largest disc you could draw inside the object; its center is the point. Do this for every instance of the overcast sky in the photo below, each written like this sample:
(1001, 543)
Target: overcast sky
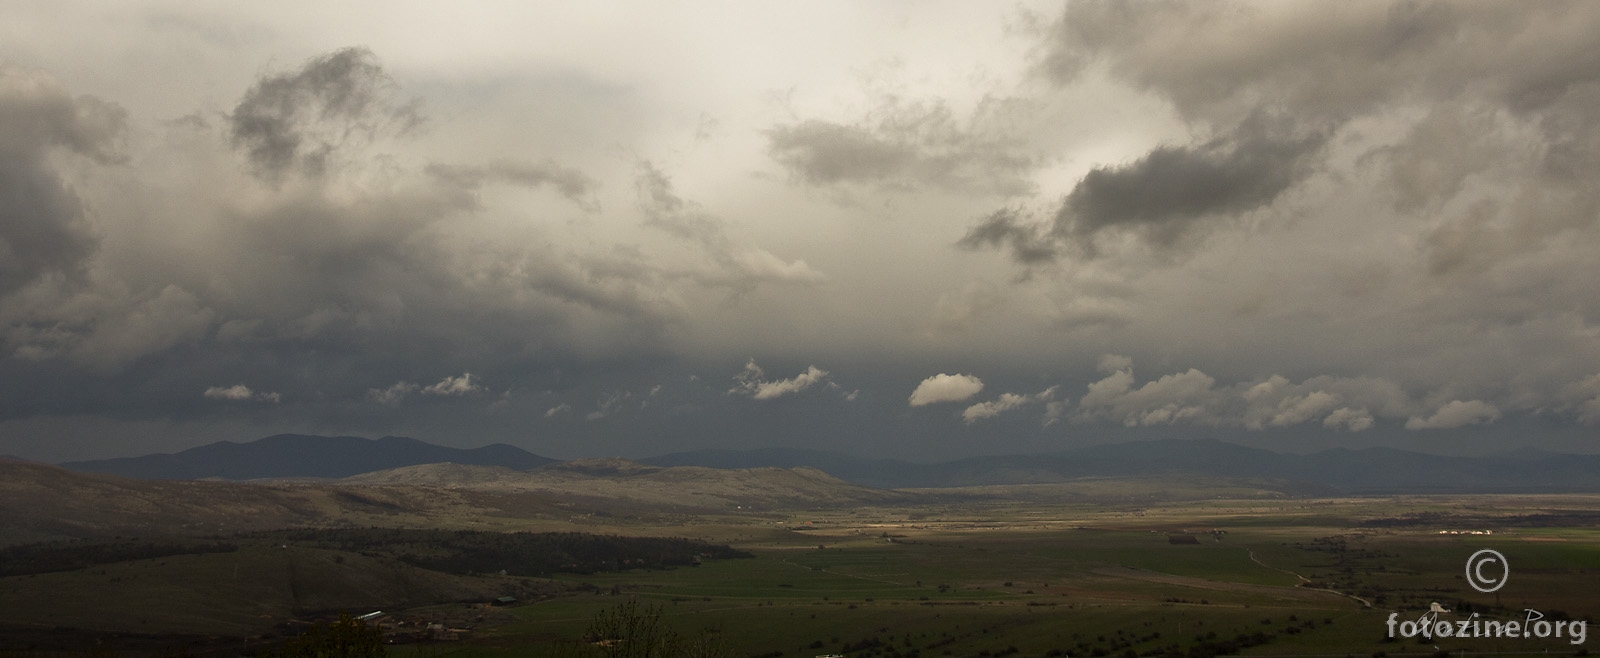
(923, 230)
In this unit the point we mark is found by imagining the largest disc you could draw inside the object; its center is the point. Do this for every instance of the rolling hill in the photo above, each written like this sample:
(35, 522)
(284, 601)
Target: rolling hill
(1370, 470)
(667, 487)
(39, 502)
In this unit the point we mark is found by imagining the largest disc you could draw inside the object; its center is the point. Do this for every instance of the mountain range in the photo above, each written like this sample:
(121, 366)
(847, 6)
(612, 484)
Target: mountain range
(1370, 470)
(304, 456)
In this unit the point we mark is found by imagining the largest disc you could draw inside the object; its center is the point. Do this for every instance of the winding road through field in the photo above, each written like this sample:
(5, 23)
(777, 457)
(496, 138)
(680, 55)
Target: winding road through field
(1305, 582)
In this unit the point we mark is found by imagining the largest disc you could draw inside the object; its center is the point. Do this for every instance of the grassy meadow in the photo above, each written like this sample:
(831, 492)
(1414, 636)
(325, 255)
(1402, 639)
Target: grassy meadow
(1302, 577)
(1217, 577)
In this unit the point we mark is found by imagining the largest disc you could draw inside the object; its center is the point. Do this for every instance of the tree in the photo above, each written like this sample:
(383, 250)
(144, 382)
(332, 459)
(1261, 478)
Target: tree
(629, 630)
(345, 638)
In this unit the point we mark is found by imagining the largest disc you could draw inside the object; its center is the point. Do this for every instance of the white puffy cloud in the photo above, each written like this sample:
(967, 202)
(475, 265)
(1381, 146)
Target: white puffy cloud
(558, 410)
(1354, 420)
(1007, 402)
(1195, 398)
(749, 382)
(393, 394)
(945, 388)
(453, 386)
(1299, 409)
(240, 393)
(1186, 396)
(235, 392)
(1456, 413)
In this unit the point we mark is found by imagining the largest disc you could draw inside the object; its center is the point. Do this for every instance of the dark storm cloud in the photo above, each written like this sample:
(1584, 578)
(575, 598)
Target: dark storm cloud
(1161, 196)
(906, 146)
(375, 271)
(315, 294)
(1242, 171)
(43, 228)
(1275, 84)
(297, 121)
(1330, 60)
(1007, 229)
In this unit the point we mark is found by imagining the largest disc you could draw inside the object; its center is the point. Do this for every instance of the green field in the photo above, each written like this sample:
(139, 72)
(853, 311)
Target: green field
(1247, 577)
(981, 581)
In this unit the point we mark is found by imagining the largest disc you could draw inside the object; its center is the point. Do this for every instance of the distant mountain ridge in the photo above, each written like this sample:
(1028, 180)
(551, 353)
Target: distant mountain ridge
(300, 455)
(1369, 470)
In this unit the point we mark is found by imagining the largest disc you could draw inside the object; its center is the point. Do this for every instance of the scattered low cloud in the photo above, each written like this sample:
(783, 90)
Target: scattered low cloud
(1355, 420)
(1007, 402)
(392, 395)
(240, 393)
(453, 386)
(751, 382)
(609, 404)
(558, 410)
(1171, 399)
(945, 388)
(1194, 398)
(1456, 413)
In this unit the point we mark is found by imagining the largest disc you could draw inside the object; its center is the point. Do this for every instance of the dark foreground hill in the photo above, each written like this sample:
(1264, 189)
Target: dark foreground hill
(1371, 470)
(299, 455)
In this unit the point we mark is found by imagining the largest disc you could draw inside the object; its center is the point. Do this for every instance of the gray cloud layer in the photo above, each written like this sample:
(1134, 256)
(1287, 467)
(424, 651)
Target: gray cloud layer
(1276, 82)
(907, 146)
(298, 121)
(1337, 223)
(43, 230)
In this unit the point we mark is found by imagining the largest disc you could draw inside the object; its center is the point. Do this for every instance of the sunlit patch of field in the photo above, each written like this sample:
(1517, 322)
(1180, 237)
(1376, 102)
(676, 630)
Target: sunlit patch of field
(1245, 576)
(1003, 577)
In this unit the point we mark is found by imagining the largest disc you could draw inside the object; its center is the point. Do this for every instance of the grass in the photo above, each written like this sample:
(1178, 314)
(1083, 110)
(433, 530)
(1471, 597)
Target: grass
(989, 579)
(1024, 577)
